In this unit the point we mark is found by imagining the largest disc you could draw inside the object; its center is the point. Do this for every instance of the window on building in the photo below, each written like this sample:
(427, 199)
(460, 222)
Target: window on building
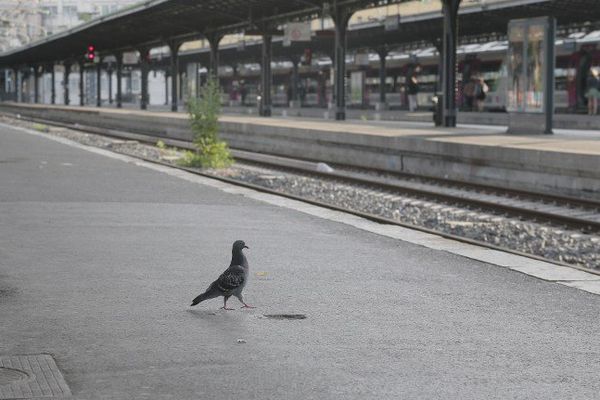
(70, 11)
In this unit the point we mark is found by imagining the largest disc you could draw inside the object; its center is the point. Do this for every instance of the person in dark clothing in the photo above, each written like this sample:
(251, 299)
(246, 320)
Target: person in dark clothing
(412, 89)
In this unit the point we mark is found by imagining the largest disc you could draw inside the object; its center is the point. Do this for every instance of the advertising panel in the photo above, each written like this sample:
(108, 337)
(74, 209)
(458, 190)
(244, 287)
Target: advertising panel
(528, 41)
(357, 87)
(530, 72)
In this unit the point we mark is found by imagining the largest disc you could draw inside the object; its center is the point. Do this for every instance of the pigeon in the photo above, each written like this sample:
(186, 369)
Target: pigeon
(232, 281)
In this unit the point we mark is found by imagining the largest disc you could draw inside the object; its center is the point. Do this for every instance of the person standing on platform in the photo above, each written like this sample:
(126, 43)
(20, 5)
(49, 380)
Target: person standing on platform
(412, 88)
(243, 92)
(593, 91)
(469, 94)
(480, 92)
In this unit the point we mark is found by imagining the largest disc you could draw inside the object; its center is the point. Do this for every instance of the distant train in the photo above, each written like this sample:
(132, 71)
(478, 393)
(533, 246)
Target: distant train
(574, 57)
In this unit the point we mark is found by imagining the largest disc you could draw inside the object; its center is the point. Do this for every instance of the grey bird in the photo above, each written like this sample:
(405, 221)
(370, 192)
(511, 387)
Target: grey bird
(232, 281)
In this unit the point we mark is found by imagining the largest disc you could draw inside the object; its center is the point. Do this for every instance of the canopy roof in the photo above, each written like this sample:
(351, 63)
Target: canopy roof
(155, 22)
(475, 23)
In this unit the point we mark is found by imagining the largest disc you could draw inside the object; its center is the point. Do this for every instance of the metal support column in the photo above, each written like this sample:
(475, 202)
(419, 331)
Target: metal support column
(295, 78)
(119, 68)
(99, 84)
(174, 47)
(109, 76)
(213, 67)
(382, 52)
(36, 84)
(66, 82)
(166, 87)
(266, 76)
(144, 68)
(438, 44)
(450, 11)
(340, 16)
(52, 84)
(81, 84)
(19, 85)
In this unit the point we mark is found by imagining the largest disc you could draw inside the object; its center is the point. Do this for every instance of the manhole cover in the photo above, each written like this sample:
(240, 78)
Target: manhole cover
(23, 377)
(285, 316)
(9, 375)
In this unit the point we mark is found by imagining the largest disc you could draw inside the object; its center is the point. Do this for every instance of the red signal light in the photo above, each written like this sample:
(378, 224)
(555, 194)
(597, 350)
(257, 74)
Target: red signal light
(91, 53)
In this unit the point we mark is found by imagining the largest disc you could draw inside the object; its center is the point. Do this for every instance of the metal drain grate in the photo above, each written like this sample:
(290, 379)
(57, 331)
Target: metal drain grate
(285, 316)
(37, 375)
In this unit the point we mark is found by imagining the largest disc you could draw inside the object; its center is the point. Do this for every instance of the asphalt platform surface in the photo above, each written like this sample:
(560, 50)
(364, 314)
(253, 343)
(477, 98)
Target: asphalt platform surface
(100, 259)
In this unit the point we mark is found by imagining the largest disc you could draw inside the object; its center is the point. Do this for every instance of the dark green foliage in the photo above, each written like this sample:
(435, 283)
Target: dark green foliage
(204, 120)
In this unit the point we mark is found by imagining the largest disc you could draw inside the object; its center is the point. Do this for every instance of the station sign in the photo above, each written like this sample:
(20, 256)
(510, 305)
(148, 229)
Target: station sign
(297, 32)
(130, 58)
(392, 22)
(361, 58)
(530, 74)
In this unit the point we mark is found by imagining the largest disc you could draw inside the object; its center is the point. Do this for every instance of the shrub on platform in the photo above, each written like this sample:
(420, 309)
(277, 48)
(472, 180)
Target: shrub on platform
(211, 152)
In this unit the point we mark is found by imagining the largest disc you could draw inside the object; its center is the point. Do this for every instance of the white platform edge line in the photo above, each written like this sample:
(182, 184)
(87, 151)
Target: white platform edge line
(549, 272)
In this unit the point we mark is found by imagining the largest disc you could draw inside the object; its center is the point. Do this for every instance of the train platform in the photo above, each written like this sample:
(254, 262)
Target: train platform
(567, 162)
(102, 253)
(561, 120)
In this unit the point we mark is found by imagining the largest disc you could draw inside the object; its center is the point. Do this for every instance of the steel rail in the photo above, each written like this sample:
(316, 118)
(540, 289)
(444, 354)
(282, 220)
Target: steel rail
(467, 198)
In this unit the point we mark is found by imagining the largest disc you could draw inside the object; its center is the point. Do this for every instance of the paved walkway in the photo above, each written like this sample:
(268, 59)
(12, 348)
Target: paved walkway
(100, 259)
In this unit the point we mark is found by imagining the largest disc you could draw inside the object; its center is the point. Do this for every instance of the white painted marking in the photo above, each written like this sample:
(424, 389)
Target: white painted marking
(588, 286)
(571, 277)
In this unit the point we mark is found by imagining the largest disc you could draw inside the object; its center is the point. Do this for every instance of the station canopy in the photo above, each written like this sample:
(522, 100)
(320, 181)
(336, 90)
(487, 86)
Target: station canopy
(155, 22)
(479, 20)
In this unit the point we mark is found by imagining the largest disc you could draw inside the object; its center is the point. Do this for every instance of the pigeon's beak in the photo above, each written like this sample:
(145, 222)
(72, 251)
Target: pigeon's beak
(246, 247)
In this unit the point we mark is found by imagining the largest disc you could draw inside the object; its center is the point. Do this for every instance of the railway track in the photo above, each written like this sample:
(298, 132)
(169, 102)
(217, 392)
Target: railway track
(570, 212)
(560, 211)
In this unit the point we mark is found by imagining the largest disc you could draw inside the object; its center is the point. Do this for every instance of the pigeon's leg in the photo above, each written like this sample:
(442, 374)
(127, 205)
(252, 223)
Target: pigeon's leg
(241, 299)
(225, 304)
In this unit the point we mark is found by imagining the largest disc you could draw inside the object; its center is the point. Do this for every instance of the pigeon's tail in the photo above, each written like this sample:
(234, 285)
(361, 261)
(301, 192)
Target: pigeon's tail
(209, 294)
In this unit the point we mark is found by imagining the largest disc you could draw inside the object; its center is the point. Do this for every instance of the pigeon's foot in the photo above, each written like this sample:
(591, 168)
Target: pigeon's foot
(226, 308)
(247, 306)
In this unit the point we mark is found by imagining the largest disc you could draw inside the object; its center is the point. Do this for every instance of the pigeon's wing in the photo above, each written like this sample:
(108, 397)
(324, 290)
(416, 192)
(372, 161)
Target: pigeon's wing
(231, 279)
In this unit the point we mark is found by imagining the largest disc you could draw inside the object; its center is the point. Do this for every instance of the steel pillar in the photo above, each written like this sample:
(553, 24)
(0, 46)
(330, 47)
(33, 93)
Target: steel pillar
(166, 87)
(213, 66)
(36, 84)
(340, 16)
(266, 76)
(144, 68)
(438, 44)
(119, 70)
(109, 76)
(99, 84)
(295, 78)
(81, 84)
(174, 46)
(52, 84)
(382, 86)
(19, 85)
(66, 83)
(15, 79)
(450, 12)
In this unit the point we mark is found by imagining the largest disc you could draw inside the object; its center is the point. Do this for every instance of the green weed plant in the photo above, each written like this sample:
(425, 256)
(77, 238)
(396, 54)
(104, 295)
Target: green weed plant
(211, 152)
